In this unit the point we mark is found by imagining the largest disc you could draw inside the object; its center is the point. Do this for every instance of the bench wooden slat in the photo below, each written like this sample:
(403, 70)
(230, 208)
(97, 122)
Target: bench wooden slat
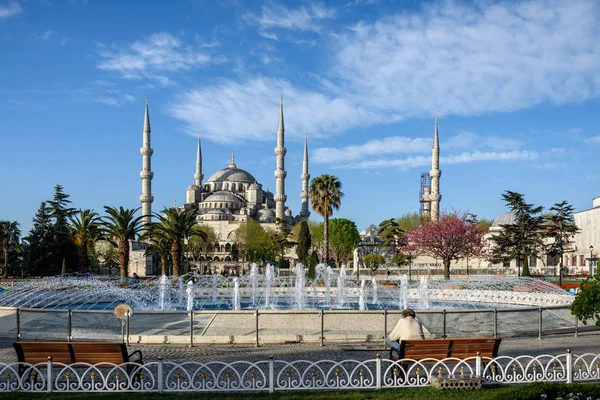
(443, 348)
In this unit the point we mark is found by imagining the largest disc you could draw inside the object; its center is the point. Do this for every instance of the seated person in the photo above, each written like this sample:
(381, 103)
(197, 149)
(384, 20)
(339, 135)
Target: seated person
(407, 328)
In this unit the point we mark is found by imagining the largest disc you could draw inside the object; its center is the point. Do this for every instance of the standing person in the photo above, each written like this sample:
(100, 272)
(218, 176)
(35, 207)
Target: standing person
(409, 327)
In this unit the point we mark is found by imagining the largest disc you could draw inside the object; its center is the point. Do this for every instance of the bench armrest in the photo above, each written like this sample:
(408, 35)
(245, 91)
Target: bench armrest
(139, 360)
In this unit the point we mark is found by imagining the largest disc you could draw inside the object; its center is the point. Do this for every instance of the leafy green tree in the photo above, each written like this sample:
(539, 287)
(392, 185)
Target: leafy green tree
(559, 226)
(410, 220)
(374, 261)
(198, 246)
(175, 226)
(120, 226)
(84, 230)
(40, 252)
(586, 305)
(60, 212)
(304, 242)
(325, 196)
(343, 238)
(10, 235)
(254, 243)
(158, 246)
(312, 264)
(520, 240)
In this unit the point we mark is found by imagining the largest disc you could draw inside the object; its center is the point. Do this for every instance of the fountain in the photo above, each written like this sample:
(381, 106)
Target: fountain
(162, 291)
(361, 298)
(423, 294)
(270, 292)
(299, 287)
(403, 304)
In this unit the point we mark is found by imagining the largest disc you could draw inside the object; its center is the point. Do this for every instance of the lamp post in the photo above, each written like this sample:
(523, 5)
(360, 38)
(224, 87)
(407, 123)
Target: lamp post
(591, 261)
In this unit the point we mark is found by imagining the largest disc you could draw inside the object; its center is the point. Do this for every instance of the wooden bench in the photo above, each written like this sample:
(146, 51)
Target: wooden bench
(76, 353)
(445, 348)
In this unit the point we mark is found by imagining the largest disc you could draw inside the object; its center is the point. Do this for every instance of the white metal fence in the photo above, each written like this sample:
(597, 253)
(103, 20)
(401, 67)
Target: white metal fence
(277, 375)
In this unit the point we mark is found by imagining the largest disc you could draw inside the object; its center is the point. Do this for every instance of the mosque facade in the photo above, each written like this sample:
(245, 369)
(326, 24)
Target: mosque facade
(228, 198)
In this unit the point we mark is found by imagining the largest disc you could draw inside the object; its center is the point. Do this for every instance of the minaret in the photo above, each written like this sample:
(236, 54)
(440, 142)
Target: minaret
(280, 173)
(435, 174)
(146, 198)
(304, 212)
(198, 176)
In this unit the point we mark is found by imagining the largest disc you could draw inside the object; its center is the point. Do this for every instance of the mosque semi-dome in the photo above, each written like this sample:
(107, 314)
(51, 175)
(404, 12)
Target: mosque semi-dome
(508, 218)
(193, 187)
(222, 197)
(232, 175)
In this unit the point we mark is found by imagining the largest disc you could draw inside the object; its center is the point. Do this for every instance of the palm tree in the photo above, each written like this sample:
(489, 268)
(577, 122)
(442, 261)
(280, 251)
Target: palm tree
(176, 226)
(159, 246)
(325, 196)
(9, 236)
(121, 226)
(84, 229)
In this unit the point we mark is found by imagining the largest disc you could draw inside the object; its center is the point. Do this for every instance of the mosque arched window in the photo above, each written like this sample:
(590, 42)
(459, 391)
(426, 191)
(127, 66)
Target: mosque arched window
(574, 261)
(228, 247)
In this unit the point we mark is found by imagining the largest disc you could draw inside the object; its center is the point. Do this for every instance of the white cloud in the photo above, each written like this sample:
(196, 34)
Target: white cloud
(466, 139)
(52, 36)
(231, 111)
(104, 92)
(462, 158)
(277, 16)
(10, 10)
(458, 59)
(444, 58)
(152, 58)
(389, 145)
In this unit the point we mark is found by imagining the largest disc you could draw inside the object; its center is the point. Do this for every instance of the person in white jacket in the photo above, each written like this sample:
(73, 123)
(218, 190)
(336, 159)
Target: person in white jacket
(409, 327)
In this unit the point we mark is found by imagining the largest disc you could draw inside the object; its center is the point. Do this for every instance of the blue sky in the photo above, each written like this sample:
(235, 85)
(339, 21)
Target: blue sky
(516, 86)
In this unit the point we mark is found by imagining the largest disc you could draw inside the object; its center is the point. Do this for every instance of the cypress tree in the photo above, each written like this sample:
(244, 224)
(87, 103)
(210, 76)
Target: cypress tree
(40, 254)
(304, 242)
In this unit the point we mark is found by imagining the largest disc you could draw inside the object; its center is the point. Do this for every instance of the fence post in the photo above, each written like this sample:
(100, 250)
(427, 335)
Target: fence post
(271, 376)
(18, 324)
(256, 330)
(191, 328)
(576, 326)
(378, 371)
(384, 326)
(495, 322)
(569, 366)
(478, 365)
(322, 328)
(69, 325)
(444, 324)
(127, 328)
(49, 375)
(540, 329)
(160, 374)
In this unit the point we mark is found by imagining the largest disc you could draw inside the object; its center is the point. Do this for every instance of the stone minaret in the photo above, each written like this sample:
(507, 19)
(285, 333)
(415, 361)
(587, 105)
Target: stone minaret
(435, 174)
(198, 176)
(146, 198)
(304, 212)
(280, 173)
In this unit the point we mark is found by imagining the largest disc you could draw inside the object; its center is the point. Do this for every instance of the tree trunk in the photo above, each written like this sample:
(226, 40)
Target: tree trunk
(176, 256)
(326, 239)
(446, 269)
(123, 258)
(163, 264)
(82, 258)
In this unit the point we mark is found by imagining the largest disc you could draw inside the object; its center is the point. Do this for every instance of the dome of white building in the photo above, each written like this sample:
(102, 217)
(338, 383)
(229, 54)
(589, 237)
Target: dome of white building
(508, 218)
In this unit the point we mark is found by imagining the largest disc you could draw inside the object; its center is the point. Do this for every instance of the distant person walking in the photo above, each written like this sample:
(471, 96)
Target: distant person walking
(409, 327)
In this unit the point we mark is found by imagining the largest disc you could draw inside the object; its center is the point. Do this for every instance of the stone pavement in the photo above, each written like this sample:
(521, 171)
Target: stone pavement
(586, 342)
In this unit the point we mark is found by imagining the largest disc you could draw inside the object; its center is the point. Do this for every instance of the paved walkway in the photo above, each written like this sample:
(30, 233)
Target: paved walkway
(587, 342)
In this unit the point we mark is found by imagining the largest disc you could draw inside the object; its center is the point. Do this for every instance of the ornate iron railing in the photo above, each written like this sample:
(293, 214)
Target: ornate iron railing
(277, 375)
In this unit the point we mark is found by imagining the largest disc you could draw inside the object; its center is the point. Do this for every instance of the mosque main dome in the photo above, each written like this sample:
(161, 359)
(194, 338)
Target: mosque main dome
(232, 175)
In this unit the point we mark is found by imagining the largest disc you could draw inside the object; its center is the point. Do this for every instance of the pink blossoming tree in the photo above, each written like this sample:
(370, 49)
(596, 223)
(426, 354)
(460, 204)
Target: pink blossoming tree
(451, 238)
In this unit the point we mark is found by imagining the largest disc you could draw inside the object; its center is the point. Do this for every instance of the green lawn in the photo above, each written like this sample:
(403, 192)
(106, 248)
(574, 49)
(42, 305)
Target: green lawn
(522, 392)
